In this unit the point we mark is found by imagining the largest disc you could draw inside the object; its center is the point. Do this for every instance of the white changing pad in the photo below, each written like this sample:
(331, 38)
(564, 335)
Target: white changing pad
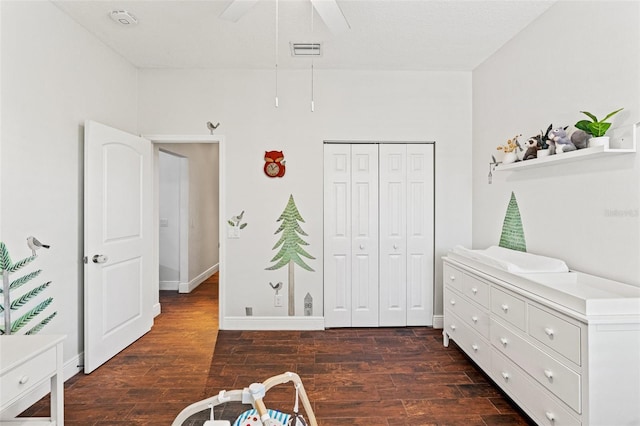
(513, 261)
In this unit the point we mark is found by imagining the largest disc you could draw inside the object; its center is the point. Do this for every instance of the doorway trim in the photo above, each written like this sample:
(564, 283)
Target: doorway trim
(159, 139)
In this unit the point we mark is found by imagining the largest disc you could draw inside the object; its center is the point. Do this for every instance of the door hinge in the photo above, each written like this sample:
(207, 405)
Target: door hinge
(85, 259)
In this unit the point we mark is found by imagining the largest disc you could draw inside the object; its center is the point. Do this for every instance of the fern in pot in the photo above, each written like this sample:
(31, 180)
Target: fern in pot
(597, 128)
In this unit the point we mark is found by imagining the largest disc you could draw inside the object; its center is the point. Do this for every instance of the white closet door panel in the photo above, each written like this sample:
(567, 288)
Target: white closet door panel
(420, 234)
(337, 235)
(364, 238)
(393, 234)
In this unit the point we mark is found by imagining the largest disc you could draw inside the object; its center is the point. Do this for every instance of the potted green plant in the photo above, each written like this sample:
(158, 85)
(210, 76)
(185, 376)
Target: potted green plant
(597, 128)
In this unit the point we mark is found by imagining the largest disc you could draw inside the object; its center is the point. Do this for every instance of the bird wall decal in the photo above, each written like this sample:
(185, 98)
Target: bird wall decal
(34, 244)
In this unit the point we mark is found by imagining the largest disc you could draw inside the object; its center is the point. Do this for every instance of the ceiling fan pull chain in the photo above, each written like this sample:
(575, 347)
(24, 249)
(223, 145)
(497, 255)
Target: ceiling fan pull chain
(276, 58)
(313, 107)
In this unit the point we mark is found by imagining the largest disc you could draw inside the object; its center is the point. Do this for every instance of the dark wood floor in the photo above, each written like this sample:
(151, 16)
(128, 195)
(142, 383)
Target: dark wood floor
(388, 376)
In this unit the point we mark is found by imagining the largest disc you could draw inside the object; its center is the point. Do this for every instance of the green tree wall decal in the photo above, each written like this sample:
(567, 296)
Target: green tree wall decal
(9, 305)
(512, 233)
(291, 249)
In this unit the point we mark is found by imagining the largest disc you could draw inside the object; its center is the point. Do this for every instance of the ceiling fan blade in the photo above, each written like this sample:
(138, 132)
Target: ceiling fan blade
(332, 15)
(236, 9)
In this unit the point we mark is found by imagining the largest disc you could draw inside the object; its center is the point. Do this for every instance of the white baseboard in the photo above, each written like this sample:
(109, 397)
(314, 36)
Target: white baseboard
(157, 309)
(438, 321)
(188, 287)
(274, 323)
(169, 285)
(69, 369)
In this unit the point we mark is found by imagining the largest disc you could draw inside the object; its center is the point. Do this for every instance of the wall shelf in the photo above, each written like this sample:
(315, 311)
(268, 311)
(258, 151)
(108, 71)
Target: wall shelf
(581, 154)
(567, 157)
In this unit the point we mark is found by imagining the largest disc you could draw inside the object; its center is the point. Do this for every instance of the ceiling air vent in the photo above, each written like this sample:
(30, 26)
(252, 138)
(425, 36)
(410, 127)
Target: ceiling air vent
(305, 49)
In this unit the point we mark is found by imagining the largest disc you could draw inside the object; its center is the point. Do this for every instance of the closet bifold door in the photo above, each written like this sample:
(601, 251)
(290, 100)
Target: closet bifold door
(351, 235)
(406, 234)
(364, 235)
(337, 235)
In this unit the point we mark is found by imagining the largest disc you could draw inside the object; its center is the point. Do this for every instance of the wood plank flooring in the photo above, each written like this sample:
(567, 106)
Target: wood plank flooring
(387, 376)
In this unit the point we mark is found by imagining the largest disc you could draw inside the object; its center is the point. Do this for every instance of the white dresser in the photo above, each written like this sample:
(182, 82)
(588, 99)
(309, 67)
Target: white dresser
(564, 346)
(26, 362)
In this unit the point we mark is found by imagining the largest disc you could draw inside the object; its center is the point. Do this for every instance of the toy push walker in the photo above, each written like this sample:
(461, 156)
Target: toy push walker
(259, 415)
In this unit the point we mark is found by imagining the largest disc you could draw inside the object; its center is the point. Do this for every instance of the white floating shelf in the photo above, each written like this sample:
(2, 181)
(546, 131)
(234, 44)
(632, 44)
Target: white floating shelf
(565, 157)
(625, 132)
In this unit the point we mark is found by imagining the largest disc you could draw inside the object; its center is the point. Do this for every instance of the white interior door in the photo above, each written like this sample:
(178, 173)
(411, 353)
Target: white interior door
(364, 235)
(337, 235)
(378, 235)
(420, 234)
(118, 241)
(393, 235)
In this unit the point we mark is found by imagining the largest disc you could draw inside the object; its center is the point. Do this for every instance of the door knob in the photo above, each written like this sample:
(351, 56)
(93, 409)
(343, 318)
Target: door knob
(100, 258)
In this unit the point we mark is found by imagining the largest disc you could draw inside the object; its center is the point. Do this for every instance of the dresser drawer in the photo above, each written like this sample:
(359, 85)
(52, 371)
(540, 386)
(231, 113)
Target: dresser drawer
(28, 375)
(476, 290)
(556, 333)
(451, 300)
(550, 373)
(475, 346)
(508, 307)
(452, 277)
(476, 317)
(544, 409)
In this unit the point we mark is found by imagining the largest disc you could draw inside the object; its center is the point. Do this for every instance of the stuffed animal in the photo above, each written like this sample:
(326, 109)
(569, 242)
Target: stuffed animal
(578, 137)
(561, 139)
(532, 148)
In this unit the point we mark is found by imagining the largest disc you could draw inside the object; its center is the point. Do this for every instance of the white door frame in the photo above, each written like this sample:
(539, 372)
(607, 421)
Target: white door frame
(220, 140)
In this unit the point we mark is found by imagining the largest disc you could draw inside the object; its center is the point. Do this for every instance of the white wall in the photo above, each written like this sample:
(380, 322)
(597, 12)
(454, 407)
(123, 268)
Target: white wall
(350, 105)
(54, 76)
(169, 209)
(203, 205)
(577, 56)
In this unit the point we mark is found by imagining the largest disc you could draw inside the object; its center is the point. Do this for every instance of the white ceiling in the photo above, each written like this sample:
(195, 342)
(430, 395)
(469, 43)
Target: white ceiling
(384, 34)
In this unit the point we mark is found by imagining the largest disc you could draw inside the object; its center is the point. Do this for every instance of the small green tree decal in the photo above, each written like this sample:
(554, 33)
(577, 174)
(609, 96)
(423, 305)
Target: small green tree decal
(512, 233)
(8, 286)
(291, 249)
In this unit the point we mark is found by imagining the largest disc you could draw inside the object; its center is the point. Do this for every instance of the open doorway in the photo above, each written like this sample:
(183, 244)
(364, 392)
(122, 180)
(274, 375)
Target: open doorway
(173, 234)
(188, 214)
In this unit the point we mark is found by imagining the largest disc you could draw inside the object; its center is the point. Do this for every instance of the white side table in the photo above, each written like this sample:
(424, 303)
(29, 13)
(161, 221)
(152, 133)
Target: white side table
(26, 362)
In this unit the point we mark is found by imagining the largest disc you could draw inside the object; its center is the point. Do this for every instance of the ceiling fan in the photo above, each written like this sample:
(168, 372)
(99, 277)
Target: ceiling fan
(328, 10)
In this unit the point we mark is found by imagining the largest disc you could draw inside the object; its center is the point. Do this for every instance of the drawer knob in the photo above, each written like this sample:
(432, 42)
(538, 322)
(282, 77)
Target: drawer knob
(474, 319)
(23, 380)
(452, 326)
(474, 347)
(504, 307)
(549, 332)
(549, 374)
(474, 290)
(453, 302)
(452, 278)
(505, 375)
(361, 246)
(550, 416)
(504, 341)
